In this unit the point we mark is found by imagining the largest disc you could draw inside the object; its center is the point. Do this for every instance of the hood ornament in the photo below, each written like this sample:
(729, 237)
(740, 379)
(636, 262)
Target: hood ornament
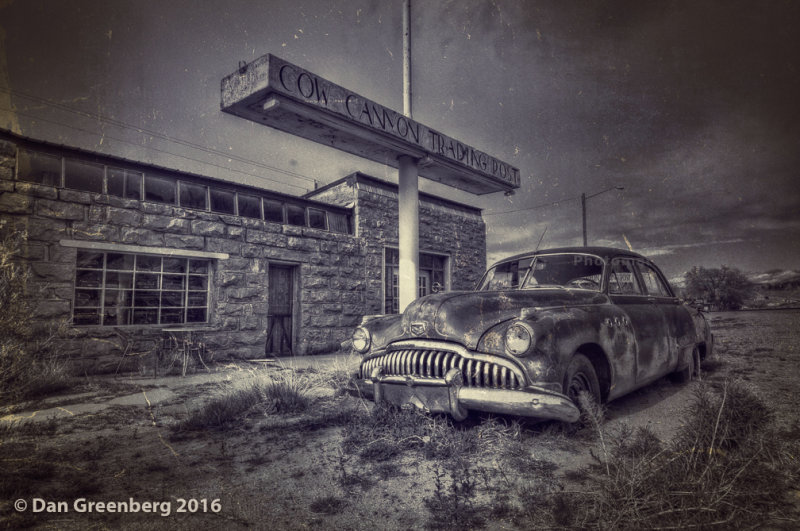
(418, 328)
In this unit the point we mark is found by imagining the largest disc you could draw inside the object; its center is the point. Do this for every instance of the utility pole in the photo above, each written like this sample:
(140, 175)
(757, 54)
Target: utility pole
(584, 197)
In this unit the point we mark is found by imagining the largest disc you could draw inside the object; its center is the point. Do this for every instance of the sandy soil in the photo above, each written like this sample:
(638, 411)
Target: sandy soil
(114, 440)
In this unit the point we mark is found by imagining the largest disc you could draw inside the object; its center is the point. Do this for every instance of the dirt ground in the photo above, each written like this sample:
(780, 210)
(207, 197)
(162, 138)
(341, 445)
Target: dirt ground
(114, 440)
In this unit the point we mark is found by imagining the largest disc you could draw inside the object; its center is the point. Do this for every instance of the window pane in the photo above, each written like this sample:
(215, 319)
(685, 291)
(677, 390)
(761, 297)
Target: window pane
(316, 218)
(173, 282)
(622, 280)
(148, 263)
(198, 266)
(193, 196)
(222, 201)
(145, 316)
(118, 297)
(87, 297)
(36, 167)
(249, 206)
(116, 181)
(171, 316)
(147, 281)
(172, 298)
(652, 281)
(88, 278)
(119, 261)
(84, 176)
(146, 298)
(273, 210)
(117, 316)
(392, 256)
(119, 280)
(89, 260)
(197, 298)
(196, 315)
(174, 265)
(296, 215)
(133, 185)
(159, 189)
(198, 282)
(338, 223)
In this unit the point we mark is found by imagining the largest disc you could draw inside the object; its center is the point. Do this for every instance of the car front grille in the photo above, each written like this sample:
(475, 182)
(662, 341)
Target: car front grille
(435, 363)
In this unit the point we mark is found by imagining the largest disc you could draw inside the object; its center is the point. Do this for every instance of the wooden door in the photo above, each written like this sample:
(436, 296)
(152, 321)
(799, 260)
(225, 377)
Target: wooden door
(279, 317)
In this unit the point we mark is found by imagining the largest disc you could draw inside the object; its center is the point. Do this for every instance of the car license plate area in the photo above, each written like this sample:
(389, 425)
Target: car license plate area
(435, 399)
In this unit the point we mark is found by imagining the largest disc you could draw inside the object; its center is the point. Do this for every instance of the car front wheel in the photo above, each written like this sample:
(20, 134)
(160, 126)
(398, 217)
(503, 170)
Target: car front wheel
(581, 377)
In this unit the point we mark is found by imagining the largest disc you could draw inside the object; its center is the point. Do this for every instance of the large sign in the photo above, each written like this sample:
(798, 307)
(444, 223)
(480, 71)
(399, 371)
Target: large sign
(277, 93)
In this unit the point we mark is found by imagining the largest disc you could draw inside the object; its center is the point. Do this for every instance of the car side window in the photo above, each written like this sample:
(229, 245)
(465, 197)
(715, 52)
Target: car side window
(655, 286)
(622, 280)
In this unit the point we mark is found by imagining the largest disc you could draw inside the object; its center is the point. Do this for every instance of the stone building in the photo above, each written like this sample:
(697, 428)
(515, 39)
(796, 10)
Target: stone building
(131, 254)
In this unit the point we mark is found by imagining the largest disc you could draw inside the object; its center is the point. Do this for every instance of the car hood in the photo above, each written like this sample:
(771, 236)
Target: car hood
(464, 317)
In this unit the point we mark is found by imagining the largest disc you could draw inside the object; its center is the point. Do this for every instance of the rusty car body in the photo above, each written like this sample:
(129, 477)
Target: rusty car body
(539, 329)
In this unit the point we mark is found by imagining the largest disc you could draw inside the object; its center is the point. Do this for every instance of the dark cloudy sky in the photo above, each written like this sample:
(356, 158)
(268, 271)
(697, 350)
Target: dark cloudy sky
(692, 106)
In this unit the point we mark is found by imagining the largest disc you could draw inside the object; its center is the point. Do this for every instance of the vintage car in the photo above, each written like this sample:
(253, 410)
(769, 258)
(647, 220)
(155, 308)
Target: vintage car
(539, 329)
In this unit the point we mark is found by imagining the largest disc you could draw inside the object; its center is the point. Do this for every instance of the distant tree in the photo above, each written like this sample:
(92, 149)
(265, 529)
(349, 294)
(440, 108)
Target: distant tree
(724, 287)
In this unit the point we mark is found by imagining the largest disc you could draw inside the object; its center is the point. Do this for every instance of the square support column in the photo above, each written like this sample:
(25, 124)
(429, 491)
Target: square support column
(408, 221)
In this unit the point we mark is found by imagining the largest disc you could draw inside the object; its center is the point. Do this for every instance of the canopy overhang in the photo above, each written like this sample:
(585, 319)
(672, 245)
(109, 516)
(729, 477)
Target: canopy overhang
(276, 93)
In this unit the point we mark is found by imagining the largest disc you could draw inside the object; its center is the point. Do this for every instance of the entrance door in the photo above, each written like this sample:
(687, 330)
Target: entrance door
(279, 317)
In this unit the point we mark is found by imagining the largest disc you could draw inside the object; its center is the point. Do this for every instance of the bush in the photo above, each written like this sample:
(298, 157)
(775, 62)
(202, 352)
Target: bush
(283, 392)
(28, 365)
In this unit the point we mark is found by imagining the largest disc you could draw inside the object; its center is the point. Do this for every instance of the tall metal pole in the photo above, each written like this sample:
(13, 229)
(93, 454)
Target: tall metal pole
(408, 189)
(583, 210)
(407, 58)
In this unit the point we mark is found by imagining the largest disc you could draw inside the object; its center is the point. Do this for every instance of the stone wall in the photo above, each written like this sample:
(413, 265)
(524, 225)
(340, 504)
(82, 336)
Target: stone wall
(331, 268)
(445, 227)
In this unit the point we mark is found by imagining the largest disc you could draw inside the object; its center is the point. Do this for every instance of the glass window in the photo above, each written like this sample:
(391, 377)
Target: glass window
(273, 210)
(338, 223)
(296, 215)
(655, 286)
(249, 206)
(508, 275)
(431, 277)
(124, 183)
(316, 218)
(159, 189)
(622, 280)
(193, 195)
(37, 167)
(84, 176)
(222, 201)
(116, 289)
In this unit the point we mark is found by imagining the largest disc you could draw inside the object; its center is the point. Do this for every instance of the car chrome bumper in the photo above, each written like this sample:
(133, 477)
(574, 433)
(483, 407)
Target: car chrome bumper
(448, 395)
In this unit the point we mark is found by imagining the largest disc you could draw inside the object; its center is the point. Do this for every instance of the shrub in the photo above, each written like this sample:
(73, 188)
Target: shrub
(28, 365)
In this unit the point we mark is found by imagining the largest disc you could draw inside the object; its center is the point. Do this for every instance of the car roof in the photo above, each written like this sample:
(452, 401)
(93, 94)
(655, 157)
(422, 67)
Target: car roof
(603, 252)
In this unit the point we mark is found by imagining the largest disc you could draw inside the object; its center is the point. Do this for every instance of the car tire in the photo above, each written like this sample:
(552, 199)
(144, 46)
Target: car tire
(581, 377)
(686, 375)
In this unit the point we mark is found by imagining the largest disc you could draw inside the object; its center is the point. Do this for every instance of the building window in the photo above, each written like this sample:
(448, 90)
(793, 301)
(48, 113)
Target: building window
(338, 223)
(37, 167)
(194, 195)
(159, 189)
(431, 277)
(119, 289)
(223, 201)
(316, 218)
(273, 211)
(296, 215)
(124, 183)
(84, 176)
(249, 206)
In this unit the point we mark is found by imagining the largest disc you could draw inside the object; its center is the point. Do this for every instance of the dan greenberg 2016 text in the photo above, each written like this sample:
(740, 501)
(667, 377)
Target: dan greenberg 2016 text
(161, 508)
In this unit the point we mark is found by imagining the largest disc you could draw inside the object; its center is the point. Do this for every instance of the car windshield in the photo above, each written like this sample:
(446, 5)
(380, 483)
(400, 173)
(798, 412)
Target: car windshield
(568, 270)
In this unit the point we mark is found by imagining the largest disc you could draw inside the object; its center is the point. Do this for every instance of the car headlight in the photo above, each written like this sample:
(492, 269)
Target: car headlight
(361, 340)
(519, 338)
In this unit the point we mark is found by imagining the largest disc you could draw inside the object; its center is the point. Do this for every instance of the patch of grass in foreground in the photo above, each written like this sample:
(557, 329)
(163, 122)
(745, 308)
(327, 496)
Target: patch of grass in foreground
(726, 467)
(282, 392)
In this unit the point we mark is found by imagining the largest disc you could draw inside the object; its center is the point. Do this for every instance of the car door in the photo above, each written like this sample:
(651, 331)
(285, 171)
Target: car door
(626, 290)
(680, 327)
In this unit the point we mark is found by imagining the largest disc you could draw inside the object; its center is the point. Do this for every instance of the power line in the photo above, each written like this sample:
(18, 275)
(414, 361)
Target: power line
(155, 149)
(150, 132)
(552, 203)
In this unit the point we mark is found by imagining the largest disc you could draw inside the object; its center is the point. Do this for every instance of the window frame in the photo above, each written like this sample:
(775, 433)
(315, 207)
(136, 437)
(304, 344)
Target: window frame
(133, 288)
